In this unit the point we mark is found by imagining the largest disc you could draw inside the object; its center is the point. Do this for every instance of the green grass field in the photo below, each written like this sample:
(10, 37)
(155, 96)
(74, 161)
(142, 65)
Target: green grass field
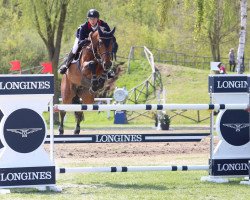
(140, 185)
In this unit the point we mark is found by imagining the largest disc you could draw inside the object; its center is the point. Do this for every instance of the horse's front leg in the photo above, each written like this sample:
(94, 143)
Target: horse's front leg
(94, 82)
(104, 76)
(61, 128)
(78, 116)
(102, 79)
(67, 95)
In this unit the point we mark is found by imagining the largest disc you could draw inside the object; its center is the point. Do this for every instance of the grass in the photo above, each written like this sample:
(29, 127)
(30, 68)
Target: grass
(139, 71)
(139, 185)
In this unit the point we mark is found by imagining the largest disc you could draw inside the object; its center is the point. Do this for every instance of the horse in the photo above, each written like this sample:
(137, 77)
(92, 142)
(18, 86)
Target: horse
(86, 78)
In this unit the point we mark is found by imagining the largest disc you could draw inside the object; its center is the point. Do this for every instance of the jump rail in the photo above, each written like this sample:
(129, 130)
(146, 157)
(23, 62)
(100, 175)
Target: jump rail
(128, 138)
(153, 107)
(132, 169)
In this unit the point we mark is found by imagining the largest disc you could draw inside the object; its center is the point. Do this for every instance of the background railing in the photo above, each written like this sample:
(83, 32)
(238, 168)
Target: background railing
(174, 58)
(152, 86)
(148, 89)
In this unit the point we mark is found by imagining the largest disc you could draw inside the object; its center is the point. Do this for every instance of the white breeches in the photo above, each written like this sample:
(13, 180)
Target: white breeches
(75, 47)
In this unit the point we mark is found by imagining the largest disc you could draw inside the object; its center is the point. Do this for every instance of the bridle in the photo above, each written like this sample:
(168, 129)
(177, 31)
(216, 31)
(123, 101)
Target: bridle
(97, 55)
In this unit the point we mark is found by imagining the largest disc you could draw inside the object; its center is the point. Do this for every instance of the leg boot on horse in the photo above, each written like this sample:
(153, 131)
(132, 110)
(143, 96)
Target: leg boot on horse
(64, 68)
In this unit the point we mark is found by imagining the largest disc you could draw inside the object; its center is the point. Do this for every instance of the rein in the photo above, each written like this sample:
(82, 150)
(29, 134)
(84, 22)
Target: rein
(99, 60)
(96, 54)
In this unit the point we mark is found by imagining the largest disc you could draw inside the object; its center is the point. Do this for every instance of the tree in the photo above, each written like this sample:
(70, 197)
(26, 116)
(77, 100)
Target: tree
(242, 39)
(49, 18)
(216, 20)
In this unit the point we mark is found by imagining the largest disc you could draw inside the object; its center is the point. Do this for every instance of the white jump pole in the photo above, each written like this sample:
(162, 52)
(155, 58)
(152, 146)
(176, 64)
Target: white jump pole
(152, 107)
(51, 124)
(132, 169)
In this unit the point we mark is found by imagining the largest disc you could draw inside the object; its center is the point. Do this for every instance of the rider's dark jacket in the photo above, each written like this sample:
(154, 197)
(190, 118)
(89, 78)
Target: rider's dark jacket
(84, 30)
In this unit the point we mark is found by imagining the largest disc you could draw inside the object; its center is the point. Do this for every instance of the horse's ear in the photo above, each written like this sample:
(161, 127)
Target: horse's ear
(100, 31)
(113, 31)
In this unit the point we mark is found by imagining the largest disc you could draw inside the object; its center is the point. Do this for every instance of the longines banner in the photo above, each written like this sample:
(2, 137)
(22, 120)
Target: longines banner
(27, 176)
(23, 159)
(230, 167)
(26, 85)
(229, 84)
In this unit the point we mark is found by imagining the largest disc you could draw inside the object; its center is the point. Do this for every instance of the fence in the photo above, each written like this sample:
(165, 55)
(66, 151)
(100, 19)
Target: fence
(148, 89)
(174, 58)
(141, 93)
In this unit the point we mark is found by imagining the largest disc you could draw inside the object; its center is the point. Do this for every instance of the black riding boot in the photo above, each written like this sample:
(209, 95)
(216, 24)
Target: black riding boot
(64, 68)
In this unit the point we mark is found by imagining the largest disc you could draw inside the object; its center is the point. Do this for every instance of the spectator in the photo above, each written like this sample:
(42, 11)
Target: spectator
(231, 58)
(222, 68)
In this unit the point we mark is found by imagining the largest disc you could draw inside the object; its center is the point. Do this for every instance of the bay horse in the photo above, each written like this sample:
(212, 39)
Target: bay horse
(85, 78)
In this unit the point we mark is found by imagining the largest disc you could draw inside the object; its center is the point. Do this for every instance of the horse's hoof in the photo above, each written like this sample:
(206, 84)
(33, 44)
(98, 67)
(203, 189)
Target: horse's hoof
(61, 130)
(76, 132)
(93, 89)
(101, 82)
(92, 92)
(94, 85)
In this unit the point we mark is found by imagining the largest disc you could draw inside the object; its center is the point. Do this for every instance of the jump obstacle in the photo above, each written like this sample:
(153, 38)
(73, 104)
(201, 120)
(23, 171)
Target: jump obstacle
(128, 138)
(23, 154)
(132, 169)
(148, 107)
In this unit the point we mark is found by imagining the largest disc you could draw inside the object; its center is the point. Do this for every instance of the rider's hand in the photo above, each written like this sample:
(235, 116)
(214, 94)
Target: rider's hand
(83, 42)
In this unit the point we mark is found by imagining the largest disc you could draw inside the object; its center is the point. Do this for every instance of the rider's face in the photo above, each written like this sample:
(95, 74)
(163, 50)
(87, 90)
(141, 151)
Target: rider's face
(92, 21)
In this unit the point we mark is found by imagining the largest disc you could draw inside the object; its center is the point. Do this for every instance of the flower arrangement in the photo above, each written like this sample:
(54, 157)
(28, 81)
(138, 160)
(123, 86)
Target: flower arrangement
(164, 121)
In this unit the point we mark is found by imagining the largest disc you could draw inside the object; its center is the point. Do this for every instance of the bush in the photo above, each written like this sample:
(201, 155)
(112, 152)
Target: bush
(164, 120)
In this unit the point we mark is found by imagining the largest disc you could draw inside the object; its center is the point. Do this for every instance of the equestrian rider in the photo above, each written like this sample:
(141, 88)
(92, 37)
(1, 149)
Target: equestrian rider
(82, 35)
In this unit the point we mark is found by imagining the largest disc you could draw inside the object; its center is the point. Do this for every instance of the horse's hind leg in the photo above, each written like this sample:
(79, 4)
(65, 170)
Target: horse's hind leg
(61, 129)
(78, 116)
(67, 96)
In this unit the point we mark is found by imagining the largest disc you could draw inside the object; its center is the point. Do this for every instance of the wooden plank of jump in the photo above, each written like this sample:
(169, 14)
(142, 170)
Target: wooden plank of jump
(128, 138)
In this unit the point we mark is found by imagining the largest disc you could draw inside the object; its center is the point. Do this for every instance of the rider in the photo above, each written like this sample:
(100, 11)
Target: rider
(82, 34)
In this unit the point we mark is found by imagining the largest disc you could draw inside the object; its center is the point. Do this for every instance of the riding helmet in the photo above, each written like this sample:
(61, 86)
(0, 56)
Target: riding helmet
(93, 13)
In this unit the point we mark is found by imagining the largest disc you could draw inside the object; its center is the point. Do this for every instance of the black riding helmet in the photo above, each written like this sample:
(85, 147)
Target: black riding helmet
(93, 13)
